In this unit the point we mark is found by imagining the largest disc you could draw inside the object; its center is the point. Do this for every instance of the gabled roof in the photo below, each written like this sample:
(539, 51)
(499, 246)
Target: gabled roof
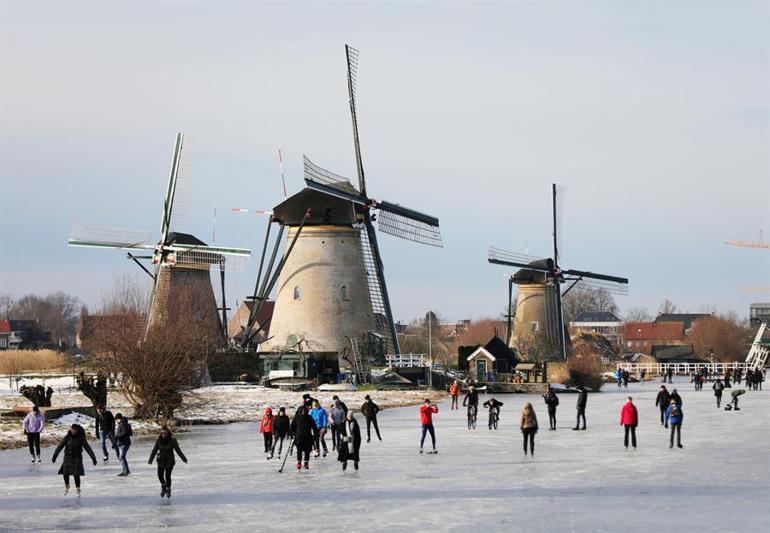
(497, 347)
(649, 331)
(483, 352)
(5, 326)
(264, 317)
(597, 316)
(686, 318)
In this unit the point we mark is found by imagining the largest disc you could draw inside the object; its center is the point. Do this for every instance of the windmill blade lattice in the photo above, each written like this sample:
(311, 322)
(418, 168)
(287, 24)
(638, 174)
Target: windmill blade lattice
(181, 199)
(409, 229)
(108, 237)
(203, 260)
(314, 173)
(560, 199)
(618, 289)
(500, 254)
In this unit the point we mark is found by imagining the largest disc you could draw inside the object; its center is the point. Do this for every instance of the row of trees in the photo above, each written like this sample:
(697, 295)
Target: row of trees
(56, 313)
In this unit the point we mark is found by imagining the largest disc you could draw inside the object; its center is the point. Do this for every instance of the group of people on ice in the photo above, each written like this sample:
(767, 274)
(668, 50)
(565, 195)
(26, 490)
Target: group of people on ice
(115, 429)
(307, 430)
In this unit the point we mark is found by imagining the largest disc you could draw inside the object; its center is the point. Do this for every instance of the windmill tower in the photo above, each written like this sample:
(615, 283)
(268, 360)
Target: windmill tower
(180, 261)
(539, 316)
(331, 287)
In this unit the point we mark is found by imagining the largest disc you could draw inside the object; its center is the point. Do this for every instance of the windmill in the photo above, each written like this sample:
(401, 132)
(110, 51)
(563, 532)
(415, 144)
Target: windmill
(178, 259)
(540, 293)
(332, 288)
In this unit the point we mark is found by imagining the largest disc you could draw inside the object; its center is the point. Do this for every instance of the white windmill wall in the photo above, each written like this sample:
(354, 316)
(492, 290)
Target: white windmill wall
(323, 295)
(535, 304)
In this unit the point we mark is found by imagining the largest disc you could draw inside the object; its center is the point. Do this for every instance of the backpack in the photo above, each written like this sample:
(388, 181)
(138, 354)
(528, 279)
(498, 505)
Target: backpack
(129, 430)
(675, 411)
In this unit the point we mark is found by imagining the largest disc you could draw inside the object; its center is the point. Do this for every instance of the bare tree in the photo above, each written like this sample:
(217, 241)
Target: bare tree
(6, 304)
(157, 368)
(667, 307)
(638, 314)
(581, 299)
(56, 313)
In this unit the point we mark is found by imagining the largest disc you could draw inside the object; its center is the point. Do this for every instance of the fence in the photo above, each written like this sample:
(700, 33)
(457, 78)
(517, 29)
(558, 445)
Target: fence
(407, 360)
(683, 368)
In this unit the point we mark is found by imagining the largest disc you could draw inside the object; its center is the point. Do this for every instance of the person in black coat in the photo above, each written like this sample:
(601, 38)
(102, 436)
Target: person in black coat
(304, 429)
(552, 401)
(123, 434)
(675, 396)
(662, 401)
(164, 448)
(370, 410)
(105, 429)
(350, 443)
(281, 427)
(581, 407)
(73, 444)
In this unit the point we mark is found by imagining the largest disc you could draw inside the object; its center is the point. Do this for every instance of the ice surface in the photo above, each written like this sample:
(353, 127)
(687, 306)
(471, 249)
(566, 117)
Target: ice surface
(480, 480)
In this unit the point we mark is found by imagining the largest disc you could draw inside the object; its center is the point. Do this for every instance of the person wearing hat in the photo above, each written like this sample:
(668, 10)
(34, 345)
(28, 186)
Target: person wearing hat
(266, 428)
(350, 442)
(73, 444)
(280, 431)
(33, 426)
(370, 410)
(164, 448)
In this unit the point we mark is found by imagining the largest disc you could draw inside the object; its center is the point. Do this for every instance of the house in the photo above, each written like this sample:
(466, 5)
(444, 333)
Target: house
(605, 323)
(495, 357)
(26, 335)
(236, 326)
(688, 319)
(451, 330)
(683, 353)
(5, 335)
(642, 336)
(759, 312)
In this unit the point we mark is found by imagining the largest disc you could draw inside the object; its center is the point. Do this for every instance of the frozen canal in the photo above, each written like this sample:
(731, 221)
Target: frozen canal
(480, 480)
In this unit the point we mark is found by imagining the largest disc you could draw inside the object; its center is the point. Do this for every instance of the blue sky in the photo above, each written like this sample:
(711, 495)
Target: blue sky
(653, 115)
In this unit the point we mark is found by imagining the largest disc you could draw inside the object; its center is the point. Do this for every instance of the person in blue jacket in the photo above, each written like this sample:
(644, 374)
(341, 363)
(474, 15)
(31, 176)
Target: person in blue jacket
(619, 376)
(674, 417)
(321, 419)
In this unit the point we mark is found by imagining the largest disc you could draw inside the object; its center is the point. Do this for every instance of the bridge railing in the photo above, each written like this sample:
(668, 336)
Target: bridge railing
(407, 360)
(683, 368)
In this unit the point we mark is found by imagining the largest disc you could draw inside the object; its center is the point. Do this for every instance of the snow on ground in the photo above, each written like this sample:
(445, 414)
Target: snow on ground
(480, 480)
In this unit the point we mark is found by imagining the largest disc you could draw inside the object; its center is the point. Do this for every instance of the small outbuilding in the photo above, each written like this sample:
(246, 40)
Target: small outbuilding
(488, 362)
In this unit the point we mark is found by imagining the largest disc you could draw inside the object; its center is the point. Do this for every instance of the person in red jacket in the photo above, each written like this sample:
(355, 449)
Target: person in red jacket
(629, 419)
(266, 428)
(426, 419)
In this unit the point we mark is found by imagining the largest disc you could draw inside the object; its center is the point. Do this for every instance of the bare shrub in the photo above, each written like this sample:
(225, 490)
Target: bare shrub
(585, 370)
(157, 366)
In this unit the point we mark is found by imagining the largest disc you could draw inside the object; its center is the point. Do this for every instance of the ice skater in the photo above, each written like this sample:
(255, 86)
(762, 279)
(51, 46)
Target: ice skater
(718, 387)
(105, 430)
(674, 418)
(661, 401)
(629, 419)
(350, 442)
(552, 401)
(304, 430)
(164, 448)
(336, 419)
(34, 423)
(427, 410)
(73, 444)
(581, 407)
(529, 427)
(321, 419)
(266, 427)
(123, 434)
(454, 393)
(280, 431)
(370, 410)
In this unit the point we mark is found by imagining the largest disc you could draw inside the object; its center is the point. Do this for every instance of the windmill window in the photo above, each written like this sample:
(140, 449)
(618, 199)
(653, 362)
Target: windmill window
(535, 326)
(344, 293)
(297, 293)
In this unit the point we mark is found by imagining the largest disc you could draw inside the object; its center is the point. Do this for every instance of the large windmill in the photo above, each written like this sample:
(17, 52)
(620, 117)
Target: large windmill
(178, 259)
(332, 287)
(539, 308)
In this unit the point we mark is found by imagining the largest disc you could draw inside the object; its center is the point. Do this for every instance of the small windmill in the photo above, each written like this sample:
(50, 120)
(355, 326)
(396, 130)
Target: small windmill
(540, 280)
(177, 257)
(338, 252)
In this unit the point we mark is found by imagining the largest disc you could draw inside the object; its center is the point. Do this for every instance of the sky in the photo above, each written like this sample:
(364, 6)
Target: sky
(653, 115)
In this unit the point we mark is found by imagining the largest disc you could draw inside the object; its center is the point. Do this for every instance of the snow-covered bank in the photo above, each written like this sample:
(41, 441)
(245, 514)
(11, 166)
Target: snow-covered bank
(219, 404)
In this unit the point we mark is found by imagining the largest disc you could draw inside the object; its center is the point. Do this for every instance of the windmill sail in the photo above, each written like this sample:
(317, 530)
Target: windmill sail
(378, 293)
(352, 57)
(399, 224)
(107, 237)
(178, 190)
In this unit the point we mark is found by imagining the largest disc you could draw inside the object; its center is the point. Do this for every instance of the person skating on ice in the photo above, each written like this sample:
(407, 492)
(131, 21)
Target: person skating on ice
(34, 423)
(336, 418)
(581, 407)
(718, 387)
(281, 426)
(164, 449)
(552, 401)
(304, 430)
(350, 442)
(674, 418)
(123, 434)
(661, 401)
(629, 419)
(321, 419)
(427, 410)
(73, 444)
(454, 393)
(370, 409)
(266, 427)
(528, 427)
(105, 430)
